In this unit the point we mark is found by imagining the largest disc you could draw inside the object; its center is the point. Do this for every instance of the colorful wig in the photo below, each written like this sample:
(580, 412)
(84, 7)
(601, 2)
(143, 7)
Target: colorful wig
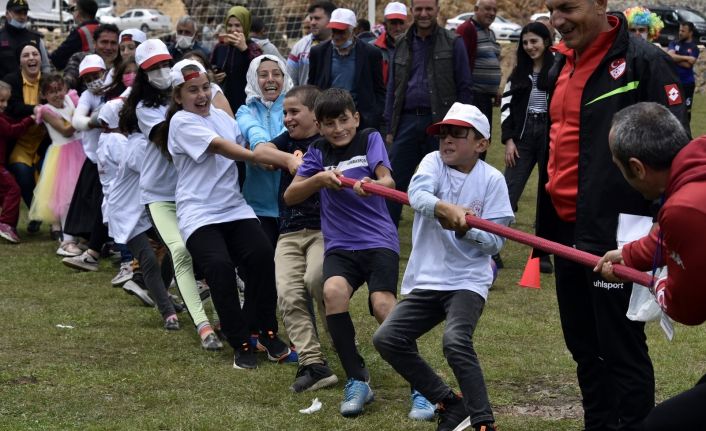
(642, 17)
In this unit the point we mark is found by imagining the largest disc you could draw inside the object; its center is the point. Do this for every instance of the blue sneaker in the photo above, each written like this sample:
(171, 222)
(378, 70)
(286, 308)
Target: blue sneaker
(356, 395)
(422, 409)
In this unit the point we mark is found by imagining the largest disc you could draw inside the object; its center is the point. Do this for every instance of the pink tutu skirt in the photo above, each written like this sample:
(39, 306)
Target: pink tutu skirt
(57, 181)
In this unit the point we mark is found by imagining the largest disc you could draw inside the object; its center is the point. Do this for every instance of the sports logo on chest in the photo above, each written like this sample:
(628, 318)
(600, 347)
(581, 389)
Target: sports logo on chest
(617, 68)
(352, 163)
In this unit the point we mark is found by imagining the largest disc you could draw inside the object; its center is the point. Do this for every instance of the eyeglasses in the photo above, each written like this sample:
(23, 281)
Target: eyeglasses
(455, 132)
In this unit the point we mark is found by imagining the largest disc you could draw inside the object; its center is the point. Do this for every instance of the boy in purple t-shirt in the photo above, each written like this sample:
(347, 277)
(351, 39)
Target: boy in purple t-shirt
(360, 240)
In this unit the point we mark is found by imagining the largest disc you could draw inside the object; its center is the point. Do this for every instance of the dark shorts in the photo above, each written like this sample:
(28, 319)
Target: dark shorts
(379, 267)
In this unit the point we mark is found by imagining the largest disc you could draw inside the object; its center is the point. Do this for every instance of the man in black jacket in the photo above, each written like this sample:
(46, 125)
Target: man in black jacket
(15, 34)
(348, 63)
(598, 71)
(81, 38)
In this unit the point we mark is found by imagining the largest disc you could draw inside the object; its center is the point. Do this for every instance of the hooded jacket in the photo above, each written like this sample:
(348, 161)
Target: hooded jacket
(260, 121)
(632, 71)
(682, 295)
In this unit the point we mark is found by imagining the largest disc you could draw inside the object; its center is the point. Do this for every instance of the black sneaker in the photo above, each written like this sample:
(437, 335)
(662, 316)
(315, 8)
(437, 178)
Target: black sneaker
(33, 226)
(245, 358)
(451, 414)
(545, 265)
(313, 377)
(276, 349)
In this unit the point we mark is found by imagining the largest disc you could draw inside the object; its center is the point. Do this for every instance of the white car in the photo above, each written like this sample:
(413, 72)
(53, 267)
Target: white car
(503, 28)
(145, 19)
(534, 17)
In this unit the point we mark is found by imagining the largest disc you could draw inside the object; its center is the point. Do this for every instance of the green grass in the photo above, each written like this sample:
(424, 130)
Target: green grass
(119, 370)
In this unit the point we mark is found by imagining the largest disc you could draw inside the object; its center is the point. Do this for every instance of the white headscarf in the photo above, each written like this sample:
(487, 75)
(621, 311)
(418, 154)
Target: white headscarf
(253, 90)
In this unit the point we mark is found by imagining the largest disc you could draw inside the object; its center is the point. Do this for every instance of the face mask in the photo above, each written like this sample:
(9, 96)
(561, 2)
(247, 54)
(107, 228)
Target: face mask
(13, 22)
(184, 42)
(160, 78)
(95, 86)
(347, 44)
(643, 35)
(128, 79)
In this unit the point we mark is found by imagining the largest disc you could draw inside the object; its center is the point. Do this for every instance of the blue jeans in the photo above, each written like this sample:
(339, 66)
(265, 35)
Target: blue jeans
(24, 175)
(417, 314)
(410, 145)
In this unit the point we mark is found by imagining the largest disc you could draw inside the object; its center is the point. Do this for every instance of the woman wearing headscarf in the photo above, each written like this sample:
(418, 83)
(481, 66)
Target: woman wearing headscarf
(233, 54)
(260, 120)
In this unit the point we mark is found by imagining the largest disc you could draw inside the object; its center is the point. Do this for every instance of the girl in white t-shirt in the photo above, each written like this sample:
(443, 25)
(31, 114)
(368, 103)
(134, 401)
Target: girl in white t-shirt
(62, 163)
(220, 228)
(218, 99)
(144, 112)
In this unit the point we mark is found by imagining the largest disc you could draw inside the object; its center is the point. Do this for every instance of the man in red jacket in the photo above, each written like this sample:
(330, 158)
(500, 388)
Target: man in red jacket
(653, 152)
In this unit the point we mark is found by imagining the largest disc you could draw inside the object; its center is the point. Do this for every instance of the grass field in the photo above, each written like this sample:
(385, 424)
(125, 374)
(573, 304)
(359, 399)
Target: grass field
(117, 369)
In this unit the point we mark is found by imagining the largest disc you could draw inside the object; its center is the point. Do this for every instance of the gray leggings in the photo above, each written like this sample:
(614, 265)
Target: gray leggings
(142, 251)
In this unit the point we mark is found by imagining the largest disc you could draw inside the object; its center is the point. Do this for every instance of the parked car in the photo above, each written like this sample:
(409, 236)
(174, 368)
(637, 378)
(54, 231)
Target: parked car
(534, 17)
(45, 13)
(504, 29)
(672, 16)
(145, 19)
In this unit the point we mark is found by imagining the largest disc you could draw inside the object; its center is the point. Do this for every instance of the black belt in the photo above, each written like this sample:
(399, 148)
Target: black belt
(417, 111)
(537, 114)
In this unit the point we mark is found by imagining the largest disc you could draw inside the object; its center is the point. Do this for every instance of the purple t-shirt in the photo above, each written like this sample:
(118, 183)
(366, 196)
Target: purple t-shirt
(348, 221)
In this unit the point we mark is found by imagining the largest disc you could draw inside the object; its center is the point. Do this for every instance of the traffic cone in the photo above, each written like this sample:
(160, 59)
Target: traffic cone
(530, 276)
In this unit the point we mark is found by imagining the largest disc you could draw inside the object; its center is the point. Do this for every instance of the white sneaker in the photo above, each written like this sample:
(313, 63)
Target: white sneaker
(68, 249)
(134, 289)
(123, 275)
(83, 262)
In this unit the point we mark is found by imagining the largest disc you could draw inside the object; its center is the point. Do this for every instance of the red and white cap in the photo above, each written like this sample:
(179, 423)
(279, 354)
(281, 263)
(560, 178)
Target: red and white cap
(133, 34)
(151, 52)
(91, 63)
(178, 77)
(342, 19)
(396, 10)
(462, 115)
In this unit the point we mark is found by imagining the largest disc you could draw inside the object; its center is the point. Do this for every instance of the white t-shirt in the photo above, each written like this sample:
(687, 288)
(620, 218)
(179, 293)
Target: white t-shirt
(127, 218)
(215, 89)
(207, 189)
(87, 104)
(66, 113)
(109, 150)
(439, 260)
(158, 177)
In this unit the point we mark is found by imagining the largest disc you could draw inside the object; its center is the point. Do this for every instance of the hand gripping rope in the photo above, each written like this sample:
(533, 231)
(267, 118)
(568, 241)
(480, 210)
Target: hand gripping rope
(582, 257)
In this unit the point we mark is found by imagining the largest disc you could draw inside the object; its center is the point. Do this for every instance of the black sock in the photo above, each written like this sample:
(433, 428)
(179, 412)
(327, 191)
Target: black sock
(343, 334)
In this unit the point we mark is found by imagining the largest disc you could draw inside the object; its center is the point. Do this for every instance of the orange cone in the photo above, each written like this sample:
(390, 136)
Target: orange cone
(530, 277)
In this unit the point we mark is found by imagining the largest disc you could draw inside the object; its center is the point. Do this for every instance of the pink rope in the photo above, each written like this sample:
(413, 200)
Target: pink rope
(570, 253)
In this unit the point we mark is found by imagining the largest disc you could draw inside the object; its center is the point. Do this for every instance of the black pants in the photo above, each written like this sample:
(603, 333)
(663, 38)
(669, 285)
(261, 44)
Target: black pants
(614, 370)
(688, 102)
(142, 250)
(530, 148)
(219, 248)
(683, 412)
(484, 102)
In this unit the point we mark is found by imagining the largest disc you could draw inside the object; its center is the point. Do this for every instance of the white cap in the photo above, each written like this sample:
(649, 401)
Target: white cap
(177, 75)
(463, 116)
(341, 19)
(134, 34)
(91, 63)
(396, 10)
(151, 52)
(110, 112)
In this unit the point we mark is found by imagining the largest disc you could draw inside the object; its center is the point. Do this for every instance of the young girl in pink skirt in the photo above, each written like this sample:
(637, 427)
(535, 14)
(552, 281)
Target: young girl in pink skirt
(63, 160)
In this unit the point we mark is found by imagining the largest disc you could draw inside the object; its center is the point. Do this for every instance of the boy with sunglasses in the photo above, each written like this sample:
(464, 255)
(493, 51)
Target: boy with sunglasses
(449, 274)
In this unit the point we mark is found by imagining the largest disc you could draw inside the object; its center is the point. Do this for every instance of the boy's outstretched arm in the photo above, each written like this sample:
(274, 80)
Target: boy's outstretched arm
(303, 187)
(384, 178)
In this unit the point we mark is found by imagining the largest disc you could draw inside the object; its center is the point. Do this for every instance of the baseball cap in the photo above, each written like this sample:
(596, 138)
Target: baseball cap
(13, 5)
(138, 36)
(110, 113)
(396, 10)
(463, 116)
(151, 52)
(178, 76)
(91, 63)
(341, 19)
